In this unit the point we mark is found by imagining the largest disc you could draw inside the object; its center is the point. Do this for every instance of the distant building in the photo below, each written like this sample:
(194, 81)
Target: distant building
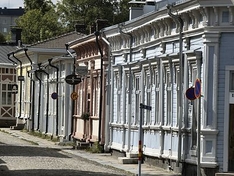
(8, 18)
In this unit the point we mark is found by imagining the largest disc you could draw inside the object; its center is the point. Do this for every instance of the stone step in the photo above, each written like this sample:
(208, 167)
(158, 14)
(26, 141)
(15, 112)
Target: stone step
(132, 155)
(17, 127)
(125, 160)
(224, 174)
(82, 145)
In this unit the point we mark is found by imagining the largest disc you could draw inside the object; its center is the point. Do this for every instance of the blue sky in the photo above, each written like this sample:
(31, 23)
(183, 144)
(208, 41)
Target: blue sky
(14, 3)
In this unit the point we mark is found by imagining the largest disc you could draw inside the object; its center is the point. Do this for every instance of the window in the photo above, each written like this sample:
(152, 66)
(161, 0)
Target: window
(137, 98)
(168, 98)
(119, 97)
(6, 94)
(192, 109)
(88, 103)
(148, 98)
(157, 83)
(232, 81)
(177, 92)
(225, 16)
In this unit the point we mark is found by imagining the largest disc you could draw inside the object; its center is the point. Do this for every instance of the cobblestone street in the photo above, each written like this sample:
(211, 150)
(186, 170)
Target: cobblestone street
(19, 157)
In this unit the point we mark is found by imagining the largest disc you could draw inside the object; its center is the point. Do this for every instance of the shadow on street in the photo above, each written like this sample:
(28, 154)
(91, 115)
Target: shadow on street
(56, 172)
(9, 150)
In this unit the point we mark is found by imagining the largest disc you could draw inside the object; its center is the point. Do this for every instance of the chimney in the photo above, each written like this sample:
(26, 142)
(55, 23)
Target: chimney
(16, 35)
(136, 9)
(80, 27)
(101, 23)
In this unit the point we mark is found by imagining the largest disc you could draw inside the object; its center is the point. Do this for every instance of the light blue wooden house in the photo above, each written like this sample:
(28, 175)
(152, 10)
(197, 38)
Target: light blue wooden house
(156, 57)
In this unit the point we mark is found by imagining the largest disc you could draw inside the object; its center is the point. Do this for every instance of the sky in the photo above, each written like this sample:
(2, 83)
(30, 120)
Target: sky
(14, 3)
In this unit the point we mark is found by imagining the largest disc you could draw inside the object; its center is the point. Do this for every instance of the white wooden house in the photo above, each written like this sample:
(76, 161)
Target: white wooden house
(36, 108)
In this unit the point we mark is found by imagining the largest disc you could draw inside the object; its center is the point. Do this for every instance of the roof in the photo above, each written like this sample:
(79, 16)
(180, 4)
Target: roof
(4, 50)
(58, 42)
(11, 12)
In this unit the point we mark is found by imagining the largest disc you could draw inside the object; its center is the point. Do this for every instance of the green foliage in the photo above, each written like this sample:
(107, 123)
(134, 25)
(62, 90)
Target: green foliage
(43, 136)
(85, 116)
(95, 148)
(8, 37)
(43, 5)
(88, 11)
(121, 12)
(44, 20)
(40, 21)
(37, 26)
(2, 38)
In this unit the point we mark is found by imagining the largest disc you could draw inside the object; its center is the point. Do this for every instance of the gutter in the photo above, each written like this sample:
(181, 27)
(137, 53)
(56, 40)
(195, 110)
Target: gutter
(97, 33)
(21, 71)
(47, 100)
(57, 76)
(108, 101)
(32, 90)
(130, 90)
(181, 63)
(8, 55)
(39, 101)
(73, 101)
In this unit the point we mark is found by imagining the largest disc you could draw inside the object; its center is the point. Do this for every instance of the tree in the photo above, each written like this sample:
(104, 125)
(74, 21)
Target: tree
(42, 5)
(42, 19)
(87, 12)
(2, 38)
(39, 23)
(121, 11)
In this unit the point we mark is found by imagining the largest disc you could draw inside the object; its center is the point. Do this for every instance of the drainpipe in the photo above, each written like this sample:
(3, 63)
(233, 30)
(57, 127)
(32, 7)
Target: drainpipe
(130, 90)
(198, 101)
(47, 100)
(21, 71)
(73, 101)
(181, 63)
(108, 114)
(97, 33)
(39, 101)
(32, 90)
(57, 76)
(8, 55)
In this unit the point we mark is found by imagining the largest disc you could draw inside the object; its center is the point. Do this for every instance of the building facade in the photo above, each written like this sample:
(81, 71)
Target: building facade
(90, 109)
(155, 59)
(152, 65)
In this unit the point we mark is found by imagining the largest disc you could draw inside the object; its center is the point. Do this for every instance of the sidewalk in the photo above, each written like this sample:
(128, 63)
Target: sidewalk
(102, 158)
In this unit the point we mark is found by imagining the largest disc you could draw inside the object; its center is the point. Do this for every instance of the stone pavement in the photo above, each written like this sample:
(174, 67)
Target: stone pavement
(101, 158)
